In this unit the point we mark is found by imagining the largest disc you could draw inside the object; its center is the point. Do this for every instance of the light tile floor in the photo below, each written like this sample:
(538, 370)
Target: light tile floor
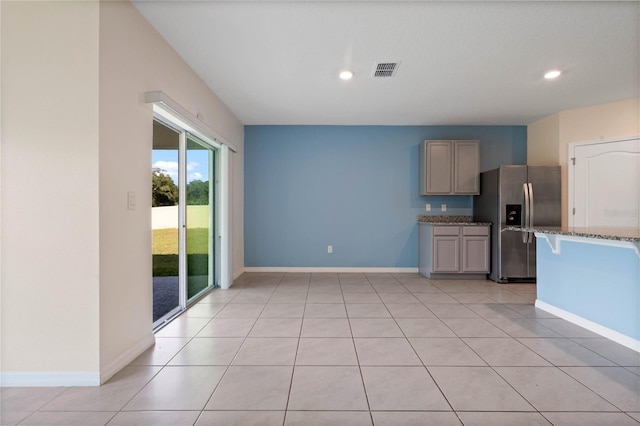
(357, 349)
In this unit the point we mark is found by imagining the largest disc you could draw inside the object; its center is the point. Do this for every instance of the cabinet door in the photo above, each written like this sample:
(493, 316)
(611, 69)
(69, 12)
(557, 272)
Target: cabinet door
(466, 167)
(475, 254)
(446, 254)
(438, 167)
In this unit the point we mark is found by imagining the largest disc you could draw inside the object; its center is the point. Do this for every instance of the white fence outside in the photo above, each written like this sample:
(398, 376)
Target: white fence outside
(167, 217)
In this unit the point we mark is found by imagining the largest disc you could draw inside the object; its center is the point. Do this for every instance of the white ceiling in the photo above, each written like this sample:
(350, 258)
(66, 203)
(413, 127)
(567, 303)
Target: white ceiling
(460, 62)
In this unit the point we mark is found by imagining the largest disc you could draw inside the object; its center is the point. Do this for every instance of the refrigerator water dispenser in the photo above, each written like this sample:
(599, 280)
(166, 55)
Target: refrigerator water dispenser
(513, 214)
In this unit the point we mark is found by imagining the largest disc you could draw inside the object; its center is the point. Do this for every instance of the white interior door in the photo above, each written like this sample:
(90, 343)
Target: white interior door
(606, 184)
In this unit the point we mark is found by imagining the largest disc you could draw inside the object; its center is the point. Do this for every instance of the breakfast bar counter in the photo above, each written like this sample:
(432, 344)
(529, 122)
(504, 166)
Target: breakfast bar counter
(614, 234)
(591, 277)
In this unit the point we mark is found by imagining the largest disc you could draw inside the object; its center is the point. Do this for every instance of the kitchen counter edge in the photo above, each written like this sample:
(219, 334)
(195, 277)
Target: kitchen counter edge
(617, 234)
(449, 221)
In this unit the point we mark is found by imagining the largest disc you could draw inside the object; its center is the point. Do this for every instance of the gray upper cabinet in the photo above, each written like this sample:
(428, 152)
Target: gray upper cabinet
(466, 160)
(449, 167)
(436, 167)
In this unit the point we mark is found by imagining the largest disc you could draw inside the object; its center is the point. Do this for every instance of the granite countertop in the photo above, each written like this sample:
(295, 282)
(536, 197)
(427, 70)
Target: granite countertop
(449, 220)
(619, 234)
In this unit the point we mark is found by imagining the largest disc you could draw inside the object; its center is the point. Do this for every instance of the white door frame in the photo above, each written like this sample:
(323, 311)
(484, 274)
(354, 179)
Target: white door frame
(166, 108)
(571, 169)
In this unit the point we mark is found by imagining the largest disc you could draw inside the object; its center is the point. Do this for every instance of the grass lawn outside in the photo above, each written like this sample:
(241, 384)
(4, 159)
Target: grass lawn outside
(165, 241)
(165, 255)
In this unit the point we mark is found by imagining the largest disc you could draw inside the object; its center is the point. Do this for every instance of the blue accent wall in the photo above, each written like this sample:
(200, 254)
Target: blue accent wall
(353, 187)
(595, 282)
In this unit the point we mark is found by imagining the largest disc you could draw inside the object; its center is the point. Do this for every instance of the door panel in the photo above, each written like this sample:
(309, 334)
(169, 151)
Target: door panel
(439, 166)
(607, 184)
(547, 206)
(165, 223)
(199, 217)
(513, 252)
(475, 254)
(531, 255)
(466, 168)
(446, 254)
(183, 219)
(511, 180)
(513, 255)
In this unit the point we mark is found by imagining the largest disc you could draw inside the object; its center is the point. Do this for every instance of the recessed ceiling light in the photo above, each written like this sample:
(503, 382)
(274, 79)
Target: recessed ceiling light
(346, 75)
(550, 75)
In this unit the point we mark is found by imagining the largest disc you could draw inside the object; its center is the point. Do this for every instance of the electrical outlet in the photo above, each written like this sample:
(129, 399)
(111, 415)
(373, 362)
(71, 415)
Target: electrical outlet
(428, 207)
(329, 249)
(444, 207)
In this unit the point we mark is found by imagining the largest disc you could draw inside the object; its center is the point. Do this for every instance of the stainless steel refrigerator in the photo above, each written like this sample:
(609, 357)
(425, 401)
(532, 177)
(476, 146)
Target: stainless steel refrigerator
(517, 195)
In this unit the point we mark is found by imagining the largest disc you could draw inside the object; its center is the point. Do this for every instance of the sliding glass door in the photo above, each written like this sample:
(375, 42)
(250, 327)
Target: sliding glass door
(200, 217)
(184, 233)
(165, 222)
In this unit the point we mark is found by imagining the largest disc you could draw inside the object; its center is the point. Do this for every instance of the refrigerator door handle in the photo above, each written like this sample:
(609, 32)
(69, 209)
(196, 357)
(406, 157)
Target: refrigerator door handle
(531, 210)
(525, 235)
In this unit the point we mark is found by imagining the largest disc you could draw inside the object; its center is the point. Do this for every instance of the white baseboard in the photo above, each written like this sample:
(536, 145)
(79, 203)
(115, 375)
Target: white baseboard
(328, 269)
(34, 379)
(610, 334)
(126, 357)
(75, 378)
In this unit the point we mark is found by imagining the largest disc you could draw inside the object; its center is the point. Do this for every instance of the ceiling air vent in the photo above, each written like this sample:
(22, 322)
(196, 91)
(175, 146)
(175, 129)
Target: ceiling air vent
(385, 69)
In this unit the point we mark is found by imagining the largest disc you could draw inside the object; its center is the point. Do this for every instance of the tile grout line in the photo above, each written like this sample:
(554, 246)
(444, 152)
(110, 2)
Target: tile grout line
(425, 367)
(588, 388)
(295, 359)
(230, 362)
(353, 342)
(299, 337)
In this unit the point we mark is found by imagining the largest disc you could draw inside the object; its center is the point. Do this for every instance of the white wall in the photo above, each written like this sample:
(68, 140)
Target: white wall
(49, 240)
(76, 137)
(134, 59)
(598, 122)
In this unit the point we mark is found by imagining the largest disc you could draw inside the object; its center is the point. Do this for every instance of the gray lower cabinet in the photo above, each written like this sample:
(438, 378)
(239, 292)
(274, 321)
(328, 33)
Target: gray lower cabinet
(450, 250)
(475, 254)
(446, 254)
(446, 249)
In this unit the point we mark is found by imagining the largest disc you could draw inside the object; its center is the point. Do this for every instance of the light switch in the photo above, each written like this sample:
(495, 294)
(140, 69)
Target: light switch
(444, 207)
(428, 207)
(131, 200)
